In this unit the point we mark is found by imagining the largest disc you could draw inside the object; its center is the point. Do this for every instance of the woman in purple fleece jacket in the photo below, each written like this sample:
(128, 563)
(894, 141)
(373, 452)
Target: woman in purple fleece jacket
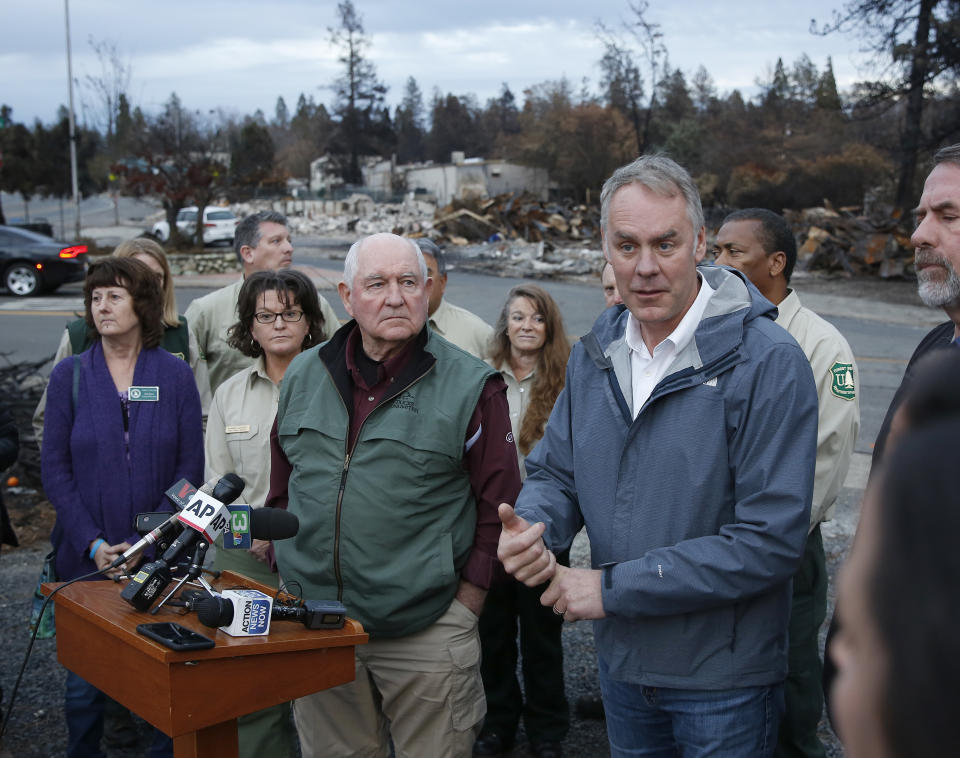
(122, 425)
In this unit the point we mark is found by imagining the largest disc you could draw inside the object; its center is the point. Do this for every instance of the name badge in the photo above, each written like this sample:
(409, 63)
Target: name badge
(143, 394)
(236, 428)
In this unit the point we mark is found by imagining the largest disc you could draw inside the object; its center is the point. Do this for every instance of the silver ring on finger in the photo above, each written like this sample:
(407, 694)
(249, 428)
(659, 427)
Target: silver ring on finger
(558, 611)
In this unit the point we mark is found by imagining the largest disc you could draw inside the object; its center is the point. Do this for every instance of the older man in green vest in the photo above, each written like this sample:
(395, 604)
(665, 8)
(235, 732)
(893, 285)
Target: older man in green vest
(393, 447)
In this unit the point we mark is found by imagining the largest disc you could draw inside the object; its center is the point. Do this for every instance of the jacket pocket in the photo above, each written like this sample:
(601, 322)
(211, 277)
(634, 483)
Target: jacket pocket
(467, 702)
(238, 442)
(241, 432)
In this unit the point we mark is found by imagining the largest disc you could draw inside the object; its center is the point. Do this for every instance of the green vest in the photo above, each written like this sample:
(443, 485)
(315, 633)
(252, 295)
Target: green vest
(175, 339)
(387, 529)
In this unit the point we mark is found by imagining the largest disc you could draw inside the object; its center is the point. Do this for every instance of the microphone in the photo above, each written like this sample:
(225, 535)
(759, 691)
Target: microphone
(273, 524)
(150, 538)
(177, 493)
(248, 606)
(265, 524)
(206, 516)
(239, 613)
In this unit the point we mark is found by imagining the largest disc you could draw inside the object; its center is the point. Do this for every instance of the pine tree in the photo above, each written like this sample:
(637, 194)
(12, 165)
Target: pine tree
(410, 124)
(827, 97)
(359, 93)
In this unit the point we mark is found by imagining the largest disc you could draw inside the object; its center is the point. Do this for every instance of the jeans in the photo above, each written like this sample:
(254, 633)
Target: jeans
(83, 708)
(667, 723)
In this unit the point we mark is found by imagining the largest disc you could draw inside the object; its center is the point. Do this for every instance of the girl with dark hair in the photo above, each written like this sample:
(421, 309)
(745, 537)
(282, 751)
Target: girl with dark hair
(530, 349)
(279, 316)
(122, 424)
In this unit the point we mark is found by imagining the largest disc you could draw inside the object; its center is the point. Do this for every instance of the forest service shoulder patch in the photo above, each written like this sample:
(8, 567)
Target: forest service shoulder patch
(842, 385)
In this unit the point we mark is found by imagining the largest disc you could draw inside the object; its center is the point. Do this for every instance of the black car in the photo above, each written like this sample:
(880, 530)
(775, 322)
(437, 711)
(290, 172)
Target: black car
(31, 263)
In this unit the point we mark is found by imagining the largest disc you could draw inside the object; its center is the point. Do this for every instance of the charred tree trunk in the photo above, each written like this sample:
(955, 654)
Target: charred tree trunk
(910, 139)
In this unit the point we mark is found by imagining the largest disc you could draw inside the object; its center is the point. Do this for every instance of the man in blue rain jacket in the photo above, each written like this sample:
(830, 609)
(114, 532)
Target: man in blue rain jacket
(685, 442)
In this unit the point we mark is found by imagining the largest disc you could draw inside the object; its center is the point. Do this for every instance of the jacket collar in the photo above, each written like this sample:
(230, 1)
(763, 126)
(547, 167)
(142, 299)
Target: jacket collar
(716, 343)
(333, 353)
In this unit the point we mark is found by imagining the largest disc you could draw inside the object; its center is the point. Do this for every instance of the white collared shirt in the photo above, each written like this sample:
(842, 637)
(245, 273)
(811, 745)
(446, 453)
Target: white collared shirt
(647, 370)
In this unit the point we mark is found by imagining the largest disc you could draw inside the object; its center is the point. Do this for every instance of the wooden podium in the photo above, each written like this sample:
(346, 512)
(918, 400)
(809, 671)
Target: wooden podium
(195, 696)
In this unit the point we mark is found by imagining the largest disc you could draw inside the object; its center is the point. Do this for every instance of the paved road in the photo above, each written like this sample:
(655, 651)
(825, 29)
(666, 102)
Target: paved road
(95, 212)
(882, 336)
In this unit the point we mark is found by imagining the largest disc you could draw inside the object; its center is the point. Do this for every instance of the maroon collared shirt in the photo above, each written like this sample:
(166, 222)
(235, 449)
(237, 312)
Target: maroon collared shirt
(490, 460)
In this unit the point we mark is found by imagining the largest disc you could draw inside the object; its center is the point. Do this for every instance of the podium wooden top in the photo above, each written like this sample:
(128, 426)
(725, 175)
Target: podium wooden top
(99, 602)
(193, 692)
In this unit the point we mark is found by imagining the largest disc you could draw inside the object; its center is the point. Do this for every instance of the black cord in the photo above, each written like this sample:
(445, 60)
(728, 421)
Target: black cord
(33, 637)
(297, 596)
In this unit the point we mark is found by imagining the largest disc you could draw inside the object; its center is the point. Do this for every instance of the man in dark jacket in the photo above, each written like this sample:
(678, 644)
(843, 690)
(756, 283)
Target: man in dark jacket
(937, 260)
(684, 441)
(393, 447)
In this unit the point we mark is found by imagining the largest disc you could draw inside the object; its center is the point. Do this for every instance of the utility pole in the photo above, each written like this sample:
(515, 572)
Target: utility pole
(73, 129)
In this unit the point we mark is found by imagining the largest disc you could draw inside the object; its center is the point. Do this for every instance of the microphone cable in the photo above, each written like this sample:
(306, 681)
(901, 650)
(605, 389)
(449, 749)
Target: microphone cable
(33, 637)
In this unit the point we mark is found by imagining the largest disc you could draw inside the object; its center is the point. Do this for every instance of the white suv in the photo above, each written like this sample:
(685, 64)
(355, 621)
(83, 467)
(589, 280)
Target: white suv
(219, 224)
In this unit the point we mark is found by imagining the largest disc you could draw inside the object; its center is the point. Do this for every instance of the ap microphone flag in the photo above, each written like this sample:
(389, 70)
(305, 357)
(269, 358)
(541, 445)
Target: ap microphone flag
(205, 514)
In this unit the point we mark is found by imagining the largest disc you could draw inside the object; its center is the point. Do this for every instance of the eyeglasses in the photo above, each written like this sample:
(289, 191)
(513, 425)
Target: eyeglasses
(265, 317)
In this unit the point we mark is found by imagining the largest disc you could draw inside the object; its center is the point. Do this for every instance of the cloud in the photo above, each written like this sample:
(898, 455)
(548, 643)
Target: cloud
(242, 55)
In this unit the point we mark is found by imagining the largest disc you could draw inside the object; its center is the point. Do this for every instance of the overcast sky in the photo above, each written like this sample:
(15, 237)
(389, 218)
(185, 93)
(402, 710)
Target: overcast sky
(241, 55)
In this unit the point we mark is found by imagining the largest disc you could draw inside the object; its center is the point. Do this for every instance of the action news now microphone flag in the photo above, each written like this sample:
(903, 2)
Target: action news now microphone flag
(239, 613)
(243, 613)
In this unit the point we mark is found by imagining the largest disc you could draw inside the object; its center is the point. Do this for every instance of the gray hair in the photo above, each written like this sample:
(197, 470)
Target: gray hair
(248, 232)
(430, 247)
(350, 264)
(948, 154)
(659, 174)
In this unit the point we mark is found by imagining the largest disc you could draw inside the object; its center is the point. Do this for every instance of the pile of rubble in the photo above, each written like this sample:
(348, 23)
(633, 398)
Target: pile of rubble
(21, 386)
(504, 217)
(531, 260)
(842, 240)
(355, 215)
(519, 235)
(516, 217)
(203, 263)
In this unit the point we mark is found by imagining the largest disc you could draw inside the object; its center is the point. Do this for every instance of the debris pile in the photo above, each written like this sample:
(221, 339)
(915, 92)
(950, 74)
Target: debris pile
(842, 240)
(21, 386)
(516, 217)
(357, 214)
(516, 234)
(532, 260)
(203, 263)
